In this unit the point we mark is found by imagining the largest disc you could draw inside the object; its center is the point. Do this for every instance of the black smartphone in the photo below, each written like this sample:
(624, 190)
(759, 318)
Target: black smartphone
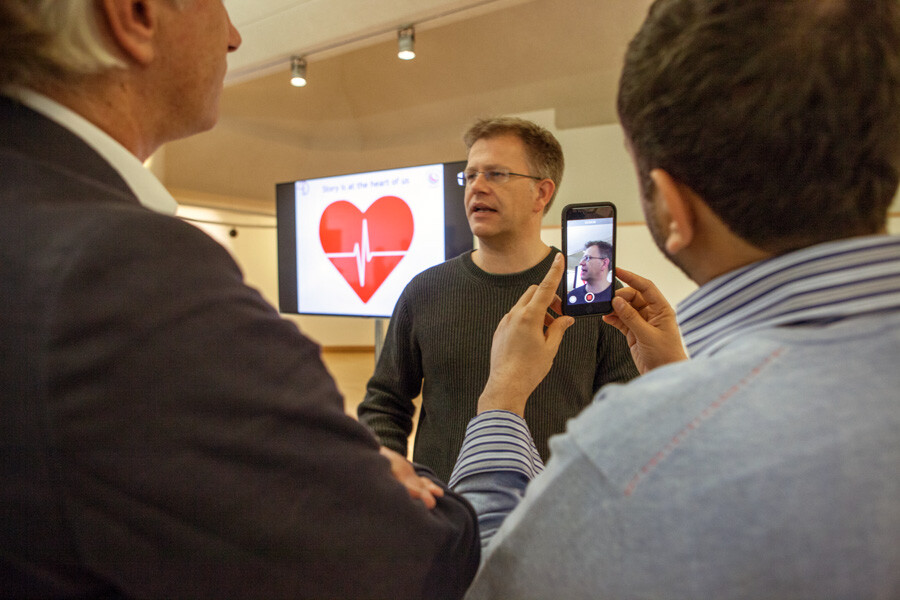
(589, 244)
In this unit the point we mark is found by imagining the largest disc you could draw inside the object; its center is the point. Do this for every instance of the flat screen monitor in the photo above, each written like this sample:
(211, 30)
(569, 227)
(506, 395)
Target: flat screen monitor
(349, 244)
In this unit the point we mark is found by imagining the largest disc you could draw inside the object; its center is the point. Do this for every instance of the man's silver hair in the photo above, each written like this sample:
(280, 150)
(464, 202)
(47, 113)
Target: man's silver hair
(50, 39)
(75, 44)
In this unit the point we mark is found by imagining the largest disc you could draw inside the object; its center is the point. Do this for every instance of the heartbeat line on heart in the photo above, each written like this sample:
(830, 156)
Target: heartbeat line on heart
(363, 254)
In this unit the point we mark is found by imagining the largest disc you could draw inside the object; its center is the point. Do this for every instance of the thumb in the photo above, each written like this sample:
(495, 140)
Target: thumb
(556, 330)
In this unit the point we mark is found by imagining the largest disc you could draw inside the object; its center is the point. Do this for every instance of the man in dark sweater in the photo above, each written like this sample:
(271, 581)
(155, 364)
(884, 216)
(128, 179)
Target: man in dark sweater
(439, 338)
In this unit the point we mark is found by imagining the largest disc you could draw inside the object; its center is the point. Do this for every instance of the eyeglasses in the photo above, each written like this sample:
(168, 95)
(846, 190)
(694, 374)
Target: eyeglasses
(586, 259)
(496, 176)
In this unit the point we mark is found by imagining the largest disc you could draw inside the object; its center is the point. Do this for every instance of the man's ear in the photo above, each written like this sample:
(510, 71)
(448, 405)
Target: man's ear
(674, 199)
(545, 189)
(132, 25)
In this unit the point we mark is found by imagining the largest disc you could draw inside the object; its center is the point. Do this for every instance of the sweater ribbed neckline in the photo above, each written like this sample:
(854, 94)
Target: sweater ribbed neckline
(507, 279)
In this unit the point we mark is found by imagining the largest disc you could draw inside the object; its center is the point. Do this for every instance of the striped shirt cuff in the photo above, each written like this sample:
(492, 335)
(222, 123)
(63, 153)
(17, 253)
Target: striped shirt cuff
(497, 440)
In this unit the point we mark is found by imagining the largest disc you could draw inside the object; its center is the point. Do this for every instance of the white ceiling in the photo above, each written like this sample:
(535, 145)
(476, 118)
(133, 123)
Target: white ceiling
(274, 30)
(365, 109)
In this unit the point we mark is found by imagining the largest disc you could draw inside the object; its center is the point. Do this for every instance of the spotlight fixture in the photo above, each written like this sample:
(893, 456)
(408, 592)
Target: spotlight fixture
(406, 41)
(298, 71)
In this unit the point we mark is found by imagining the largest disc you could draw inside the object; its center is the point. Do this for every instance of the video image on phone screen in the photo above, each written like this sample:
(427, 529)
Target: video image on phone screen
(589, 275)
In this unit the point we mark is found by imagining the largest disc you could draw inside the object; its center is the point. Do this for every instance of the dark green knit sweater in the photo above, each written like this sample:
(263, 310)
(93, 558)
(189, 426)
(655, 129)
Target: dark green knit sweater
(441, 332)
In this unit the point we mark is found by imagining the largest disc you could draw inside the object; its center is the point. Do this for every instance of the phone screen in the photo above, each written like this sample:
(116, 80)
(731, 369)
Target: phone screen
(589, 243)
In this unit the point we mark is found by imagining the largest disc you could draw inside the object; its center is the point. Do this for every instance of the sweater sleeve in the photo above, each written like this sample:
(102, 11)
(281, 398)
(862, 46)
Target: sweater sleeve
(388, 407)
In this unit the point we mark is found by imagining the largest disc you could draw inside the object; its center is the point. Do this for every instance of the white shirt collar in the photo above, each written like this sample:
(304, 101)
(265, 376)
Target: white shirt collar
(149, 190)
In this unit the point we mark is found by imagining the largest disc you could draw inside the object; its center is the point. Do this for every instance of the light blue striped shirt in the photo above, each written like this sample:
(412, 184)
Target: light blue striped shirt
(819, 284)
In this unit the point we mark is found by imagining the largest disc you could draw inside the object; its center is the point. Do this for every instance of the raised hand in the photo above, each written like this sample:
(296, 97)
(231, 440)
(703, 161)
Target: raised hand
(525, 344)
(648, 322)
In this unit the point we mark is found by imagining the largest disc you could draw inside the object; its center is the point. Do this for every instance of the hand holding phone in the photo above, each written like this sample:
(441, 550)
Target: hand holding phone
(648, 321)
(589, 244)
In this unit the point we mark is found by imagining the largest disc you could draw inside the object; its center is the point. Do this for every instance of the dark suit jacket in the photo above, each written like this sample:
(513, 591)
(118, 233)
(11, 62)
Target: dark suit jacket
(164, 432)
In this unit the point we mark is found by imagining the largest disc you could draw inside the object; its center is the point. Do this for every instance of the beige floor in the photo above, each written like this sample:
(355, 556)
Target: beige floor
(351, 370)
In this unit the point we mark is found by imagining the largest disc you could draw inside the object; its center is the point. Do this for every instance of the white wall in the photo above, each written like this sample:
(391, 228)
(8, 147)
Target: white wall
(598, 168)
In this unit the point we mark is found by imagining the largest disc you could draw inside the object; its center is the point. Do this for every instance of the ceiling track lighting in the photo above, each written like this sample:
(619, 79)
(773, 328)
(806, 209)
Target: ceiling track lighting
(406, 50)
(298, 71)
(406, 42)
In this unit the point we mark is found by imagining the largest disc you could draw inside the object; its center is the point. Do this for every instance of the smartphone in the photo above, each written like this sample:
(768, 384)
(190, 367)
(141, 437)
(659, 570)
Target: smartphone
(589, 244)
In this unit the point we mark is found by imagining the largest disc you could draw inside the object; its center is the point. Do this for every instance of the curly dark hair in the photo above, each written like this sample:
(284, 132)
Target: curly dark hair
(783, 115)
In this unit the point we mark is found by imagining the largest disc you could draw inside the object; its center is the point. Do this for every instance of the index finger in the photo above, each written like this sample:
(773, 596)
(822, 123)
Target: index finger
(545, 294)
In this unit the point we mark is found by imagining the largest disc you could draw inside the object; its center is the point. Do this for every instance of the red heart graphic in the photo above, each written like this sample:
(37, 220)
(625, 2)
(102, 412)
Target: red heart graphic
(365, 247)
